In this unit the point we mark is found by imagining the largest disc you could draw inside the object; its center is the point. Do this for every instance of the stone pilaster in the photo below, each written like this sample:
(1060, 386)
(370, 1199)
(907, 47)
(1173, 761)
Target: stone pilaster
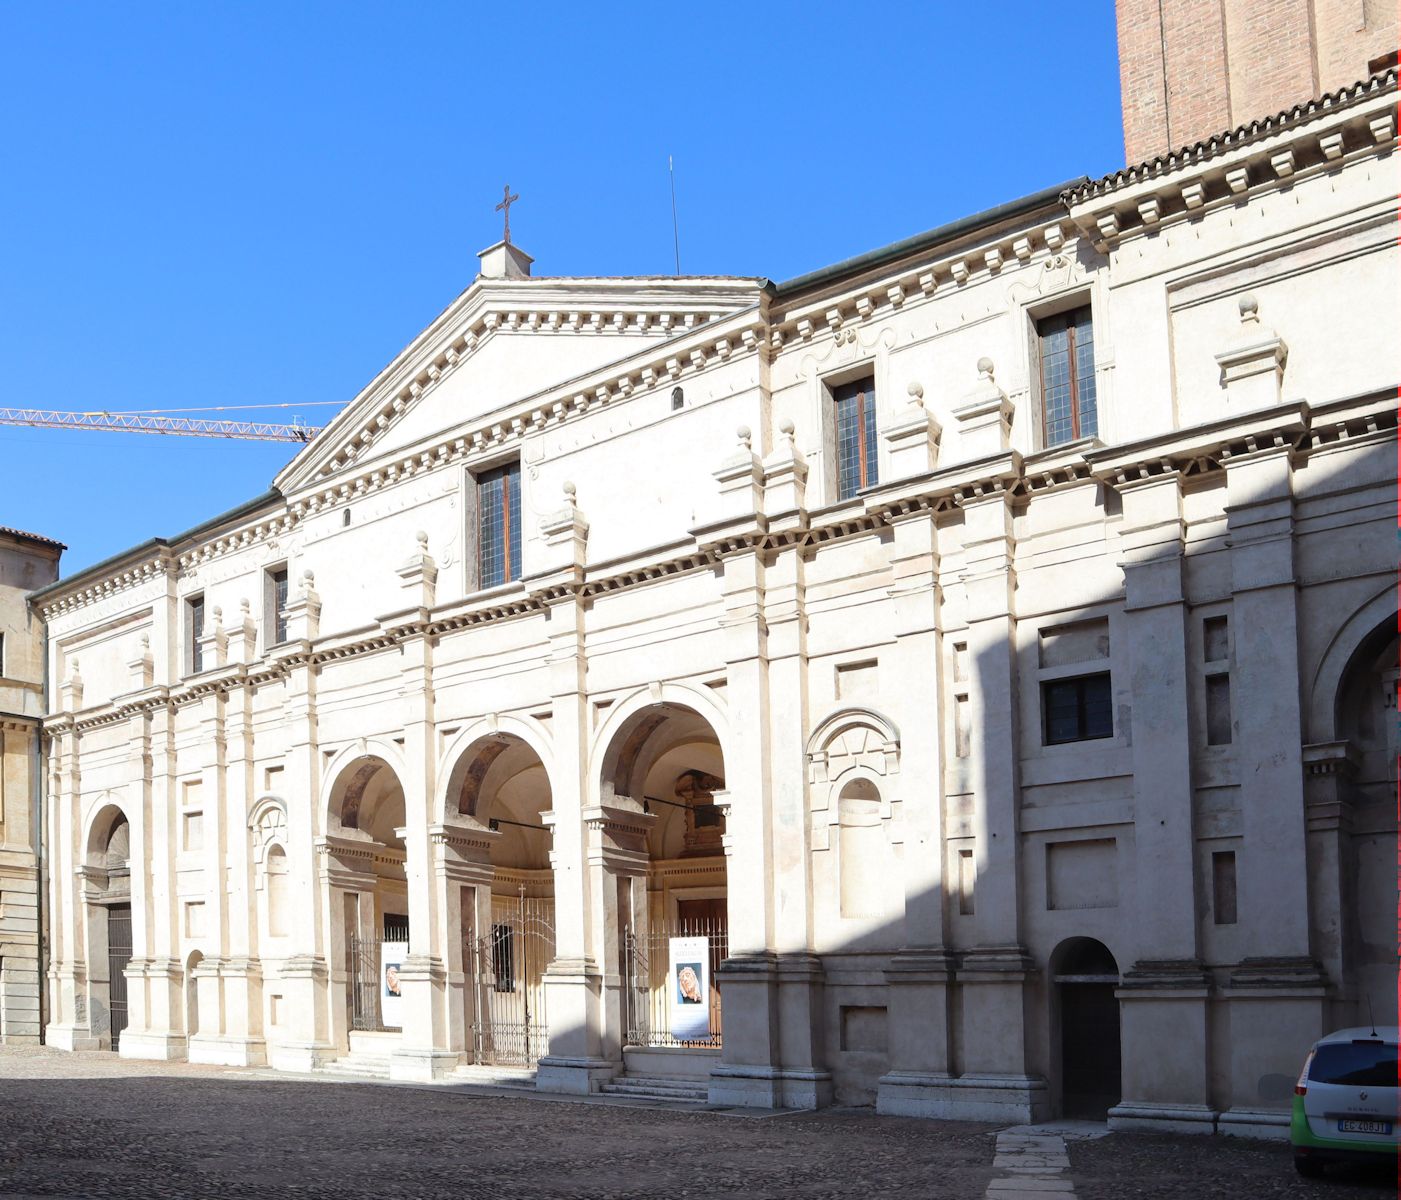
(1165, 991)
(1282, 986)
(994, 973)
(920, 976)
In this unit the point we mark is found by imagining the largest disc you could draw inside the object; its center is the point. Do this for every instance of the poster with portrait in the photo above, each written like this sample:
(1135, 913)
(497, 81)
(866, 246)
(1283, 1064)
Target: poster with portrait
(391, 958)
(689, 986)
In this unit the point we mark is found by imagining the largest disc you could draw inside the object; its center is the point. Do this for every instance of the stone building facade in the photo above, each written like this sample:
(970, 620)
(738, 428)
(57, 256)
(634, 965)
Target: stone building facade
(966, 673)
(27, 561)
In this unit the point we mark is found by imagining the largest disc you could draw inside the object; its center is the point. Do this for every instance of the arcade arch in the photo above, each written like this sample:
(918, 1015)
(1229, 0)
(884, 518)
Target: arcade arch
(107, 892)
(662, 787)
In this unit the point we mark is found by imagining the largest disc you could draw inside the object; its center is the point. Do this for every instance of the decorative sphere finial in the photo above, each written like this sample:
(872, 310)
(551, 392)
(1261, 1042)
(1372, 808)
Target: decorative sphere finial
(985, 366)
(744, 435)
(569, 490)
(1249, 307)
(422, 536)
(244, 605)
(308, 577)
(916, 392)
(786, 427)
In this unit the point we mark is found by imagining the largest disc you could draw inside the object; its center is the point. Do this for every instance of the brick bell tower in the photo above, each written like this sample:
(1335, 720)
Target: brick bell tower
(1192, 68)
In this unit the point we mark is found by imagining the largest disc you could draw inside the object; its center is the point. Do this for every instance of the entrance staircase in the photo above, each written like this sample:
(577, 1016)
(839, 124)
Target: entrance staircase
(694, 1092)
(368, 1057)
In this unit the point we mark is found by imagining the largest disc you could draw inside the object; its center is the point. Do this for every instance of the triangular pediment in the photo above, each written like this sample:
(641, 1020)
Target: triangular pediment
(500, 342)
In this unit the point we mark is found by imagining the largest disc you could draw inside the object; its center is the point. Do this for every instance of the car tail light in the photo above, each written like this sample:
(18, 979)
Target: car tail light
(1302, 1087)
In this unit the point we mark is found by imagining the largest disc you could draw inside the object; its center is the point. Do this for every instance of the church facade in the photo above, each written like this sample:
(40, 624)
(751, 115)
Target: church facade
(961, 679)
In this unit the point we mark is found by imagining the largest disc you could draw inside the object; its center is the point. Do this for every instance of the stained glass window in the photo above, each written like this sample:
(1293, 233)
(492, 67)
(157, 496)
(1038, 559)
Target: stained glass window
(855, 405)
(499, 525)
(1068, 377)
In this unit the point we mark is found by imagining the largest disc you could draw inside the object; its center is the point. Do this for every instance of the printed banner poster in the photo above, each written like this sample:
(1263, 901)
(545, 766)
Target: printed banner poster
(391, 958)
(689, 984)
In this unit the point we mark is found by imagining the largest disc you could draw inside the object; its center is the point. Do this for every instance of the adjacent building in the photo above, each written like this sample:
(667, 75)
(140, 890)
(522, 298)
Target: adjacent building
(961, 679)
(27, 562)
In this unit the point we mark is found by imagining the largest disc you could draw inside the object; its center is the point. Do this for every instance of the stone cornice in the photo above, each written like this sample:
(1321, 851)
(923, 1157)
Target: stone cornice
(1191, 452)
(1355, 122)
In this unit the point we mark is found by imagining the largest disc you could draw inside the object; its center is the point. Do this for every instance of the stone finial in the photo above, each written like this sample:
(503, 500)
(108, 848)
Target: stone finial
(565, 533)
(985, 416)
(71, 689)
(141, 665)
(304, 611)
(215, 641)
(912, 438)
(1252, 365)
(745, 435)
(785, 474)
(741, 478)
(419, 573)
(569, 491)
(243, 635)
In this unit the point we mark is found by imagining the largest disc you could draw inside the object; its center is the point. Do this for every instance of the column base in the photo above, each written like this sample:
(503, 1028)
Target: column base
(1271, 1124)
(1147, 1117)
(302, 1057)
(739, 1086)
(225, 1051)
(422, 1065)
(70, 1037)
(1009, 1099)
(160, 1047)
(574, 1076)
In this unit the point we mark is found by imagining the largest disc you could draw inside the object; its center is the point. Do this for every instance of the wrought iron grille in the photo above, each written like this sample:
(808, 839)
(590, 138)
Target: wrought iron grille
(118, 955)
(648, 990)
(364, 976)
(506, 978)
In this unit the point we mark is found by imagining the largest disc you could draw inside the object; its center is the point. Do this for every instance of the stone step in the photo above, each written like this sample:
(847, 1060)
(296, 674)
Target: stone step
(499, 1077)
(372, 1068)
(682, 1091)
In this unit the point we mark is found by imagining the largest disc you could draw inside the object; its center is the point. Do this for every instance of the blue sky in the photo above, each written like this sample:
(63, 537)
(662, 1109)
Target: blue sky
(253, 203)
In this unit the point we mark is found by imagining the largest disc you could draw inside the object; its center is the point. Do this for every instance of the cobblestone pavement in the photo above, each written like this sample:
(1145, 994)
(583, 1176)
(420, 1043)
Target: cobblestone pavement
(1130, 1166)
(92, 1125)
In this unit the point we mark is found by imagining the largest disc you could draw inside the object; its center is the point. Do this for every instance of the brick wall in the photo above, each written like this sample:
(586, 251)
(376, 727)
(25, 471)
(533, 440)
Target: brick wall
(1191, 68)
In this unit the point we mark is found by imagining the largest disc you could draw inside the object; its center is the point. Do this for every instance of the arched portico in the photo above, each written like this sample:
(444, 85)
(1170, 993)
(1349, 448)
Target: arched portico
(500, 897)
(106, 887)
(660, 894)
(367, 915)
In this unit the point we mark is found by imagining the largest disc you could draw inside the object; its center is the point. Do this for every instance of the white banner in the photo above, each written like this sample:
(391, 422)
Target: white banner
(391, 958)
(689, 984)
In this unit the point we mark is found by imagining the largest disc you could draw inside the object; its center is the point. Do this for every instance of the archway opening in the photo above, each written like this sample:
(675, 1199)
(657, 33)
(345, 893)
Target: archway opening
(1085, 977)
(370, 889)
(508, 912)
(672, 901)
(1365, 709)
(107, 890)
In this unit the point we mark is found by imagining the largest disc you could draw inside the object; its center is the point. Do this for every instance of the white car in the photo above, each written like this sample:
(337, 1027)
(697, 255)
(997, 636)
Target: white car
(1345, 1103)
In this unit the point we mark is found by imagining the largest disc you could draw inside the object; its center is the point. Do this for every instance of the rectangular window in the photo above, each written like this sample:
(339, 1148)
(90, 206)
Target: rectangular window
(1077, 710)
(499, 525)
(1223, 887)
(194, 631)
(855, 408)
(275, 605)
(1067, 353)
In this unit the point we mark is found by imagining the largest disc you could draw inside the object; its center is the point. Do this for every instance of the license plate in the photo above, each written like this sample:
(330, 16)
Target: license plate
(1382, 1127)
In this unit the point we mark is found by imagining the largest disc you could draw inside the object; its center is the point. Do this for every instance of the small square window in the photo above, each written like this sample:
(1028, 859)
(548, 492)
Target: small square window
(1077, 710)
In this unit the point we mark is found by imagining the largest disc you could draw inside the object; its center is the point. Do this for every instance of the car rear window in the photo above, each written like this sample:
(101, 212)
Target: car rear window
(1355, 1064)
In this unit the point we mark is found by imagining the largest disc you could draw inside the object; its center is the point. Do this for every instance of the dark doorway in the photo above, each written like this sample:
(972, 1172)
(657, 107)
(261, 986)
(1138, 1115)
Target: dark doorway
(1086, 977)
(118, 955)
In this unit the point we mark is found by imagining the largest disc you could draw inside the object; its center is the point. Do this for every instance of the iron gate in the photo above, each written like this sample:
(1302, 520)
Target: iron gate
(647, 1020)
(118, 955)
(364, 975)
(506, 982)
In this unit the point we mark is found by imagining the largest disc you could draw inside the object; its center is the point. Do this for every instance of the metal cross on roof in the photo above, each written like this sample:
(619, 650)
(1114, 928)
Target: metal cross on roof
(505, 207)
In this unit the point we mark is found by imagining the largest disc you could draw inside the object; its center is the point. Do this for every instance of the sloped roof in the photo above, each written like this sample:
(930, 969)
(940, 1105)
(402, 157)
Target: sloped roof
(1242, 135)
(23, 536)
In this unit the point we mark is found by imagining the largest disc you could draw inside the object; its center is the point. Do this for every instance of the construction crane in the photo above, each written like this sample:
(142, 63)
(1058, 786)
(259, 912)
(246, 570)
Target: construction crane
(153, 422)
